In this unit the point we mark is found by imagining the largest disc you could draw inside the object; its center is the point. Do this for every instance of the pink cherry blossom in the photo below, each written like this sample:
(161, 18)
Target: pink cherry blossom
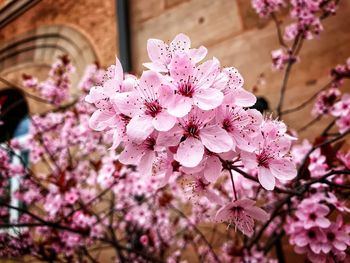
(161, 53)
(342, 107)
(142, 154)
(101, 97)
(242, 125)
(231, 82)
(318, 165)
(271, 157)
(191, 85)
(242, 213)
(343, 124)
(266, 7)
(145, 107)
(193, 134)
(313, 214)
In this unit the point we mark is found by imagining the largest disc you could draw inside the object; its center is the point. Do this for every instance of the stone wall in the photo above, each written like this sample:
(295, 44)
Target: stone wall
(93, 19)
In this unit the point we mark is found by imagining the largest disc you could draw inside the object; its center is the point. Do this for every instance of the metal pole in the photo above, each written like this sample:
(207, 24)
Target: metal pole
(122, 13)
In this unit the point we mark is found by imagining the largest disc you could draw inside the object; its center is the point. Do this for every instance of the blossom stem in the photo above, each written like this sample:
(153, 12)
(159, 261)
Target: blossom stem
(198, 232)
(233, 184)
(306, 102)
(310, 123)
(279, 31)
(301, 167)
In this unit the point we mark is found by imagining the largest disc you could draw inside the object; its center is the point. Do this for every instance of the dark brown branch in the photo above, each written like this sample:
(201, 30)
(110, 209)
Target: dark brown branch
(27, 94)
(197, 231)
(279, 31)
(303, 162)
(306, 102)
(300, 191)
(310, 123)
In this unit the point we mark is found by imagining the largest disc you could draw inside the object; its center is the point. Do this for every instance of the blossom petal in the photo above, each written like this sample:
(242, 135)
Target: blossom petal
(241, 97)
(266, 178)
(323, 222)
(339, 245)
(139, 128)
(283, 169)
(146, 163)
(181, 67)
(99, 120)
(170, 138)
(301, 240)
(216, 139)
(213, 197)
(155, 66)
(149, 83)
(163, 121)
(249, 159)
(118, 72)
(190, 152)
(223, 214)
(157, 50)
(131, 154)
(235, 79)
(126, 103)
(117, 139)
(206, 73)
(257, 213)
(180, 43)
(180, 106)
(207, 99)
(212, 168)
(197, 54)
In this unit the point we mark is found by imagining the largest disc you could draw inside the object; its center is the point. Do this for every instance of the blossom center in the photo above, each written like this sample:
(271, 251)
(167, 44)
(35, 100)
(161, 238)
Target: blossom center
(200, 185)
(263, 159)
(311, 234)
(312, 216)
(152, 108)
(186, 89)
(226, 125)
(192, 130)
(125, 119)
(150, 143)
(330, 236)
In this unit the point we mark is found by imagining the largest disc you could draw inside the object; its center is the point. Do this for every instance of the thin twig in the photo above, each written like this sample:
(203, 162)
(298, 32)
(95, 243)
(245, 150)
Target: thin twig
(27, 94)
(310, 123)
(197, 231)
(233, 185)
(306, 102)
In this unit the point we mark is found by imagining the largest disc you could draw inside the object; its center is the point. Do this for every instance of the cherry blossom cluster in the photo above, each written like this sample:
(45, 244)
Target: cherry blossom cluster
(281, 58)
(306, 15)
(314, 233)
(56, 87)
(331, 102)
(306, 24)
(318, 227)
(187, 117)
(74, 173)
(265, 8)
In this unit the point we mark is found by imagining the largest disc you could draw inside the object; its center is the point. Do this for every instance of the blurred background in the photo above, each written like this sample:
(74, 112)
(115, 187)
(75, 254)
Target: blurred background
(33, 33)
